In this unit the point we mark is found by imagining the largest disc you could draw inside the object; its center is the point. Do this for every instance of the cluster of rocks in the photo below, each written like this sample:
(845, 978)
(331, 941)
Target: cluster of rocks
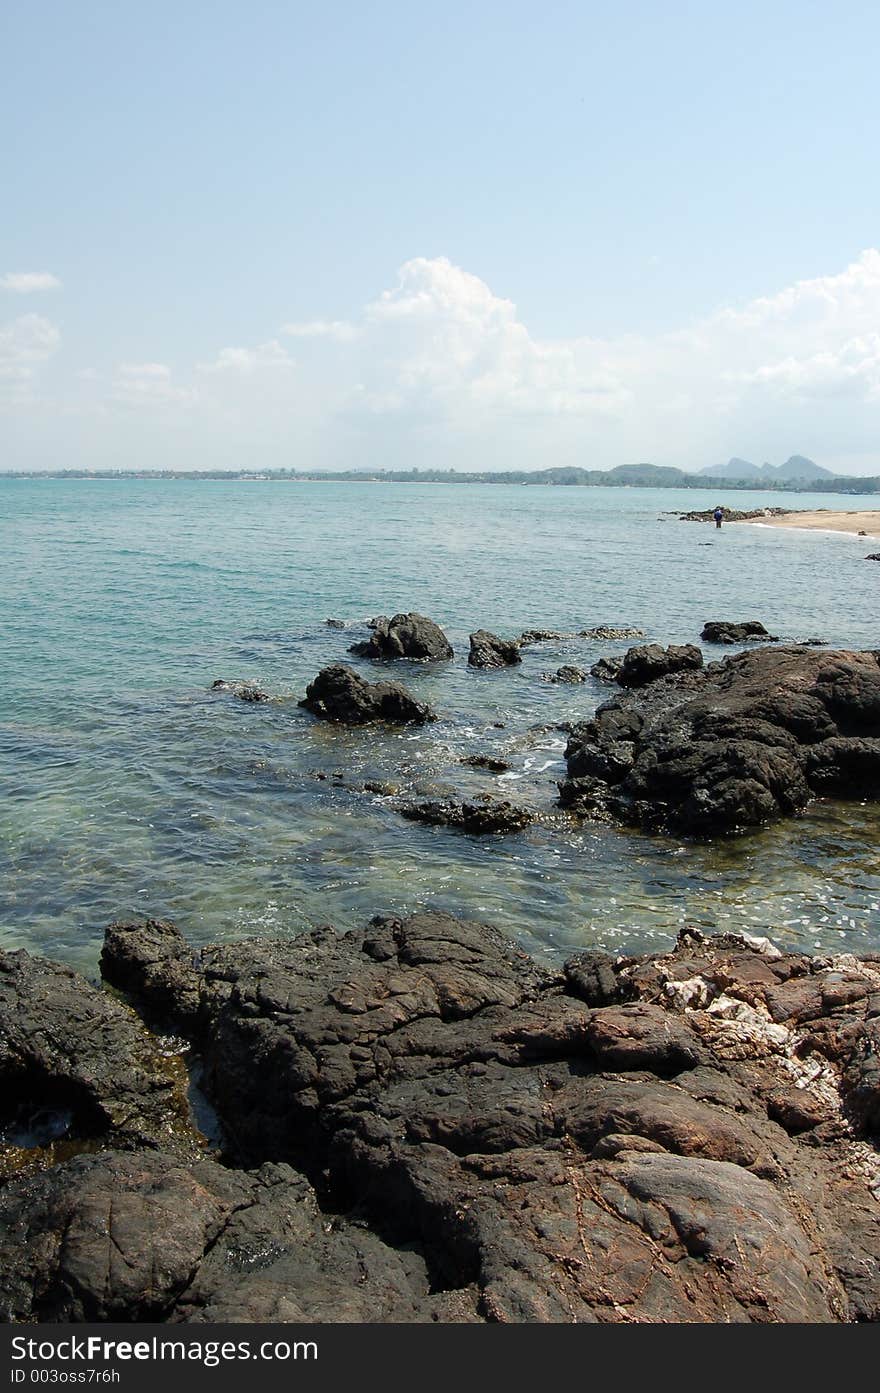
(747, 631)
(422, 1125)
(739, 743)
(732, 515)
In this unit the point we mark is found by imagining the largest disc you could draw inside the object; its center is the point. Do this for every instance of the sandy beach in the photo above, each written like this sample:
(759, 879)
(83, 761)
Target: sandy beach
(827, 520)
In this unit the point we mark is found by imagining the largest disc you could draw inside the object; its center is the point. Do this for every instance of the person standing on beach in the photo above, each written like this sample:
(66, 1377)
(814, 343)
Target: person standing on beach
(718, 515)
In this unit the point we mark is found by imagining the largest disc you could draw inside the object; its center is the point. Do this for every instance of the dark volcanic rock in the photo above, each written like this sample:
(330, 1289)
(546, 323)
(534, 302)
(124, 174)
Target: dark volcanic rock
(405, 636)
(245, 691)
(874, 556)
(479, 819)
(147, 1238)
(338, 693)
(749, 631)
(643, 665)
(488, 650)
(740, 743)
(602, 1145)
(335, 623)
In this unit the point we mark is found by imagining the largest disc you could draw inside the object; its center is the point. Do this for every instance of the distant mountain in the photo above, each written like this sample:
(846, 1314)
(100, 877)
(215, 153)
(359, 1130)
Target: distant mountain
(796, 468)
(735, 469)
(799, 467)
(656, 475)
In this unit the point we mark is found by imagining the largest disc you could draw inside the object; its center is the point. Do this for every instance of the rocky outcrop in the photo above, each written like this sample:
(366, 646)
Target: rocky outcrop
(483, 818)
(437, 1128)
(749, 631)
(740, 743)
(338, 693)
(488, 650)
(245, 691)
(645, 664)
(874, 556)
(607, 669)
(405, 636)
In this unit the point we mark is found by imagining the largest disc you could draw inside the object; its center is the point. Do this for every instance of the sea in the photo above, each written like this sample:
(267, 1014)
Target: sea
(128, 787)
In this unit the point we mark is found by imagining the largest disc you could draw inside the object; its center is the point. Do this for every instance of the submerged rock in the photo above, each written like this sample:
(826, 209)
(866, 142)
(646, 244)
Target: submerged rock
(488, 650)
(566, 674)
(607, 633)
(245, 691)
(740, 743)
(338, 693)
(405, 636)
(489, 762)
(478, 819)
(531, 636)
(749, 631)
(679, 1137)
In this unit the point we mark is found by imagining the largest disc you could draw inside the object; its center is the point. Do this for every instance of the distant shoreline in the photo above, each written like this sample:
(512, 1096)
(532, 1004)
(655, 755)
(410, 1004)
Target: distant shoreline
(624, 476)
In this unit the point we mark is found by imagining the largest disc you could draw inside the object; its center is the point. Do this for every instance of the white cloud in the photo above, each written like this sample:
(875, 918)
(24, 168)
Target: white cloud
(337, 329)
(440, 341)
(245, 362)
(148, 384)
(27, 282)
(25, 344)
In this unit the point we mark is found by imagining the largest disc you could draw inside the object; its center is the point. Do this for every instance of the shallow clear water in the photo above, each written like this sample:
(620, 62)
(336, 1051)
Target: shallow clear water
(128, 787)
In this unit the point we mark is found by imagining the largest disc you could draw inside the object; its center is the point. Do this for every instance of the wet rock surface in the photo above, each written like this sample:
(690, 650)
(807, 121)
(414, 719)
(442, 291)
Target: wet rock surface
(426, 1125)
(338, 693)
(405, 636)
(740, 743)
(489, 651)
(735, 515)
(75, 1062)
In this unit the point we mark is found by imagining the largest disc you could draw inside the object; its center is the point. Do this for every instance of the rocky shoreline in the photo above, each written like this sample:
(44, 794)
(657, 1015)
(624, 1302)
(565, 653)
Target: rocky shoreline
(419, 1123)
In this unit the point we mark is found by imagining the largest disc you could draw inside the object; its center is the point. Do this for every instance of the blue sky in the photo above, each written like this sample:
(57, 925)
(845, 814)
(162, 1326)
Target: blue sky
(471, 235)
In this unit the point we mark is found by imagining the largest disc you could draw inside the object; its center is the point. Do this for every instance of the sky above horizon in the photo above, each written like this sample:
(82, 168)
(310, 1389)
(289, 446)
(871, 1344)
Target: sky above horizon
(479, 236)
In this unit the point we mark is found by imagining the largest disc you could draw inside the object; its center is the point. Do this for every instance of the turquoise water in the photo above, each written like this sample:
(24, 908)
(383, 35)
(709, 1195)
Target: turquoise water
(128, 787)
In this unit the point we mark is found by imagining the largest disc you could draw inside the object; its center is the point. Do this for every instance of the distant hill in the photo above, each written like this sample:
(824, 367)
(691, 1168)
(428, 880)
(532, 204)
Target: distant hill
(797, 468)
(652, 475)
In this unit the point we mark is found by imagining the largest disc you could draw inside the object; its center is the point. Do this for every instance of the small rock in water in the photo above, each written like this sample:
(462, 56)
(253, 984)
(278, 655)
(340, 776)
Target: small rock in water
(405, 636)
(607, 669)
(874, 556)
(335, 623)
(245, 691)
(495, 766)
(568, 674)
(490, 651)
(607, 633)
(338, 693)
